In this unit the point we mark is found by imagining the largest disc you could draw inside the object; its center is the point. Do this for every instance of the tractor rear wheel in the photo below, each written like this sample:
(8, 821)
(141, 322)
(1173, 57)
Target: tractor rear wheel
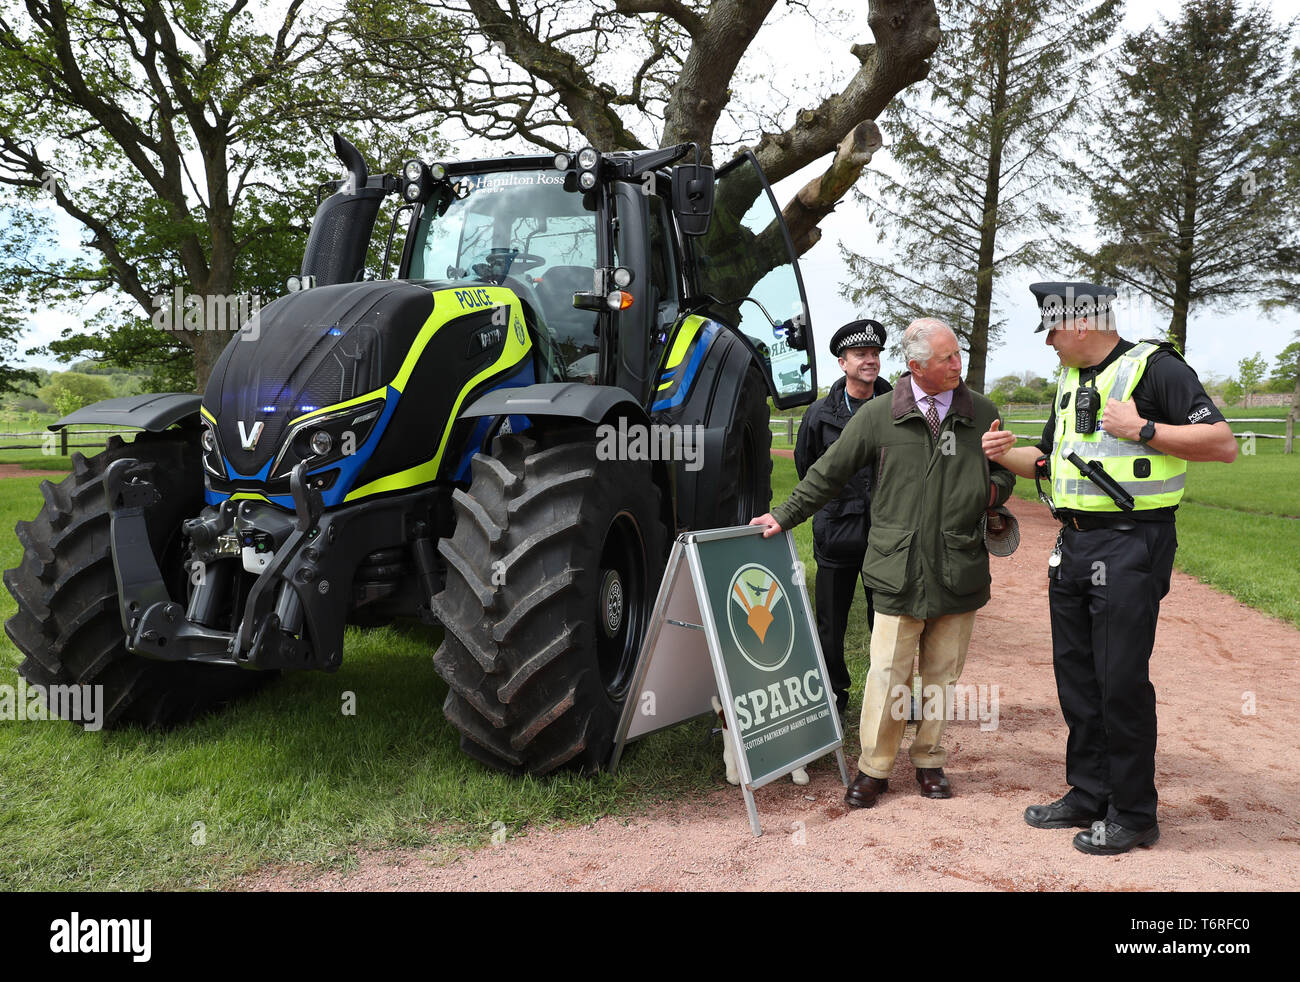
(746, 472)
(68, 623)
(551, 576)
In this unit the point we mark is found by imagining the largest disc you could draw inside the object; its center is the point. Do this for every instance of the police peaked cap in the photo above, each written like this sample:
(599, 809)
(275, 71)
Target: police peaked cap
(858, 334)
(1059, 302)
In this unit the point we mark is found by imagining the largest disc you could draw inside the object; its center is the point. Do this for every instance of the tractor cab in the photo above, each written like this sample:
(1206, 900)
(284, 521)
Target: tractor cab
(621, 249)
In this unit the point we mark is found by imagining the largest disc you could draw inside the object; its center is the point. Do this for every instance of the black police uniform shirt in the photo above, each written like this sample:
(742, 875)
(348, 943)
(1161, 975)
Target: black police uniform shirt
(1169, 391)
(840, 527)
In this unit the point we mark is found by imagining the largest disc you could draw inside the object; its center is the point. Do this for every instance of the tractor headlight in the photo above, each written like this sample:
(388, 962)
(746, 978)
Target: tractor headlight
(327, 438)
(412, 170)
(211, 446)
(561, 161)
(588, 158)
(321, 442)
(438, 172)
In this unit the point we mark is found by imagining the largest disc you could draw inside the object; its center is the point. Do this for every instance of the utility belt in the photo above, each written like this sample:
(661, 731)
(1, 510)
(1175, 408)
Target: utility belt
(1084, 522)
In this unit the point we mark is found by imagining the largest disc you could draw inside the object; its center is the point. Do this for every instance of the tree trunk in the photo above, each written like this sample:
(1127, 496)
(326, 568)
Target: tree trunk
(207, 349)
(977, 363)
(1186, 253)
(1295, 410)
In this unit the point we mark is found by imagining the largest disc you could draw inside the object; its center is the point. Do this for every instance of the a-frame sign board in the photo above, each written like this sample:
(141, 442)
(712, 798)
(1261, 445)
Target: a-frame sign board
(732, 618)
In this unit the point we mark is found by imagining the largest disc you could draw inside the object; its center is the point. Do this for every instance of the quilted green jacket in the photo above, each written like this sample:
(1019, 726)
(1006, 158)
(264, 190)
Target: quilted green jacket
(925, 551)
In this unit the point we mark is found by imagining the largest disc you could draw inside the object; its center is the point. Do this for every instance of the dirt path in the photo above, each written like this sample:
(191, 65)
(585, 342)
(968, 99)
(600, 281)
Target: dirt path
(1229, 791)
(17, 470)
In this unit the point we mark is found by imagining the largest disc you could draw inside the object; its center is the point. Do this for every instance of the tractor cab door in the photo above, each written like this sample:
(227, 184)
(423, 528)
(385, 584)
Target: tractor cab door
(746, 271)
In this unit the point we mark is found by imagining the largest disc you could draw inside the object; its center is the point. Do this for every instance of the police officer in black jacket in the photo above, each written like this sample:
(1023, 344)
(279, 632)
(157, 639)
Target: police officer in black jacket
(840, 528)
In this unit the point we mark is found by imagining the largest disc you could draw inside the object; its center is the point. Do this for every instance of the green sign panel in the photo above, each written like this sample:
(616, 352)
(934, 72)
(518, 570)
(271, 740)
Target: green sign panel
(758, 607)
(732, 618)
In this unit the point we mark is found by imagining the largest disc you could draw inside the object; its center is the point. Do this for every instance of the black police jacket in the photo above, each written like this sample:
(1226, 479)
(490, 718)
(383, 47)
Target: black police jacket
(839, 528)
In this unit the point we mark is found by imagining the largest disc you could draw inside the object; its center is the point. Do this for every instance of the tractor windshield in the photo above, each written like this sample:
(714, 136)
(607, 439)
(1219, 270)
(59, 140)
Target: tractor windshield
(522, 230)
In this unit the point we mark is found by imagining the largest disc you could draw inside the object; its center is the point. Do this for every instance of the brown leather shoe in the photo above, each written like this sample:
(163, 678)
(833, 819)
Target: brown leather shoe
(933, 783)
(864, 790)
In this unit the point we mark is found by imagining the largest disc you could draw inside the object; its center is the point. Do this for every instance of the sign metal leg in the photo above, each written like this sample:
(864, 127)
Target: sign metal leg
(752, 809)
(844, 770)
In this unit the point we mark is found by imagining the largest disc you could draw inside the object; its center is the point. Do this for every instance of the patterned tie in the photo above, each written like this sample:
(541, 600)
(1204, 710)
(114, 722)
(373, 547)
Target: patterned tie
(932, 416)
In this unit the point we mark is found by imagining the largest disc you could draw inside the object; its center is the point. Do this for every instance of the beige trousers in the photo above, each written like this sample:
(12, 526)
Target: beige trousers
(895, 642)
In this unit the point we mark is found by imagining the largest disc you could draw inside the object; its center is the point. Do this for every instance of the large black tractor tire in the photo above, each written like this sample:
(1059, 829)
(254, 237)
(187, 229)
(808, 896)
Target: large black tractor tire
(746, 474)
(68, 624)
(551, 576)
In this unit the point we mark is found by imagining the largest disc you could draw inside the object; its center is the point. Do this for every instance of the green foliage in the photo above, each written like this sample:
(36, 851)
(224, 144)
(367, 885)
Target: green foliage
(69, 391)
(1250, 371)
(974, 143)
(1286, 368)
(1189, 156)
(185, 139)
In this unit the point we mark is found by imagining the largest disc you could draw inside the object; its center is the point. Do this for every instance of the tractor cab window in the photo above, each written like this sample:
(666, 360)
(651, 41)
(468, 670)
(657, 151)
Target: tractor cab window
(522, 230)
(746, 264)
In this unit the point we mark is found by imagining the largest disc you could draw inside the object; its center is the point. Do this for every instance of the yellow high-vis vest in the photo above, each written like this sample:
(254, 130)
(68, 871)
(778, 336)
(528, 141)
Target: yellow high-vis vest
(1154, 479)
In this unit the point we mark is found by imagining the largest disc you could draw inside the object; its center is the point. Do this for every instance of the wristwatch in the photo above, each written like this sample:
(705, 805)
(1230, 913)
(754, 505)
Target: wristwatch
(1148, 432)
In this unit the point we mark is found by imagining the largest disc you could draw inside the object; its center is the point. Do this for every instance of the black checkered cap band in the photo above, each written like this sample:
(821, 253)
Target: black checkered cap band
(1054, 311)
(863, 339)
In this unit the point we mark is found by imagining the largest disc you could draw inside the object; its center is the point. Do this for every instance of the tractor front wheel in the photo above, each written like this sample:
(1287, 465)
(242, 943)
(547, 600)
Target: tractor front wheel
(551, 575)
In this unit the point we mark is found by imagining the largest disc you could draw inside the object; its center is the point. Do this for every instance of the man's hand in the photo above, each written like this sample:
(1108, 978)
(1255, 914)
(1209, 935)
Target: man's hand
(772, 527)
(1121, 419)
(997, 441)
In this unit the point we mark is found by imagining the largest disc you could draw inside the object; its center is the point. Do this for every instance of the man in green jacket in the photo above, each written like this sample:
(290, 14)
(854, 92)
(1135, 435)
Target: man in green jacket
(925, 559)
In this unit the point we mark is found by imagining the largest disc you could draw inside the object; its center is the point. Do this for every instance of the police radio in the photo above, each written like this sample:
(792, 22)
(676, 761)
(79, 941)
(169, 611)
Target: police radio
(1087, 403)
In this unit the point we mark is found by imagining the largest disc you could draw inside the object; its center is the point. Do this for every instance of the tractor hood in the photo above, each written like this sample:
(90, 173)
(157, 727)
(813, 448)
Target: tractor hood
(306, 351)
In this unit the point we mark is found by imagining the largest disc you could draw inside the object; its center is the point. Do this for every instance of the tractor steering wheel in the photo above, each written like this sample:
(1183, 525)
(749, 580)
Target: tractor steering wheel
(512, 261)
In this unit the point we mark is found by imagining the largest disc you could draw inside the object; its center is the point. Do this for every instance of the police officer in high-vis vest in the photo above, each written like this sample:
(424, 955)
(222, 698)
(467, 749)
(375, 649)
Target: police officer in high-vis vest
(1137, 413)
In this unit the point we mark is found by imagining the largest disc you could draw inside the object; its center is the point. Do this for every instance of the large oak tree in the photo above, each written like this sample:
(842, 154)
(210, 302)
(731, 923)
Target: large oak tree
(629, 74)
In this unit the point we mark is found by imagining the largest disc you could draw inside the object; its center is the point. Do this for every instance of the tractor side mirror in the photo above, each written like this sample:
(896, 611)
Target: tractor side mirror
(693, 197)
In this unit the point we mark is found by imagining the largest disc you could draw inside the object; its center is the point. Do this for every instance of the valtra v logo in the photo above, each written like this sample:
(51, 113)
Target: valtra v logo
(759, 615)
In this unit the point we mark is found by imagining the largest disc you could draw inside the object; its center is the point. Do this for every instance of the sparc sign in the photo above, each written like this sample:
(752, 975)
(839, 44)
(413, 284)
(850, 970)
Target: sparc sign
(735, 602)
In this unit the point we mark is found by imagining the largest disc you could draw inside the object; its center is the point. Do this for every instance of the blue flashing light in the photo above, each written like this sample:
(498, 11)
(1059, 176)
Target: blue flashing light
(307, 409)
(334, 332)
(268, 409)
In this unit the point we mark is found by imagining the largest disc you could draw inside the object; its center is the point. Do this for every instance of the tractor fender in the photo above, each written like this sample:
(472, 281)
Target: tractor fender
(594, 403)
(576, 400)
(153, 411)
(711, 404)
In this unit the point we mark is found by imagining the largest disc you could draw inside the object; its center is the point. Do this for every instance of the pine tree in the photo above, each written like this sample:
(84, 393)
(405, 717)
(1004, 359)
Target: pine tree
(1190, 159)
(976, 189)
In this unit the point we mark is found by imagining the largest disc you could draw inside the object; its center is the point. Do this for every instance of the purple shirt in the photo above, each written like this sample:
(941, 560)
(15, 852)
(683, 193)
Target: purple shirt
(942, 401)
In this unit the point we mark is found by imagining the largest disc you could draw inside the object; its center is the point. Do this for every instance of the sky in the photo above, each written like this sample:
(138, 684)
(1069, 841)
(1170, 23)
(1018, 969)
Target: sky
(1216, 340)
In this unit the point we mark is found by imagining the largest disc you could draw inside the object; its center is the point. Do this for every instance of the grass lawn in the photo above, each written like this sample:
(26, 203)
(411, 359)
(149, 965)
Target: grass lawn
(285, 776)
